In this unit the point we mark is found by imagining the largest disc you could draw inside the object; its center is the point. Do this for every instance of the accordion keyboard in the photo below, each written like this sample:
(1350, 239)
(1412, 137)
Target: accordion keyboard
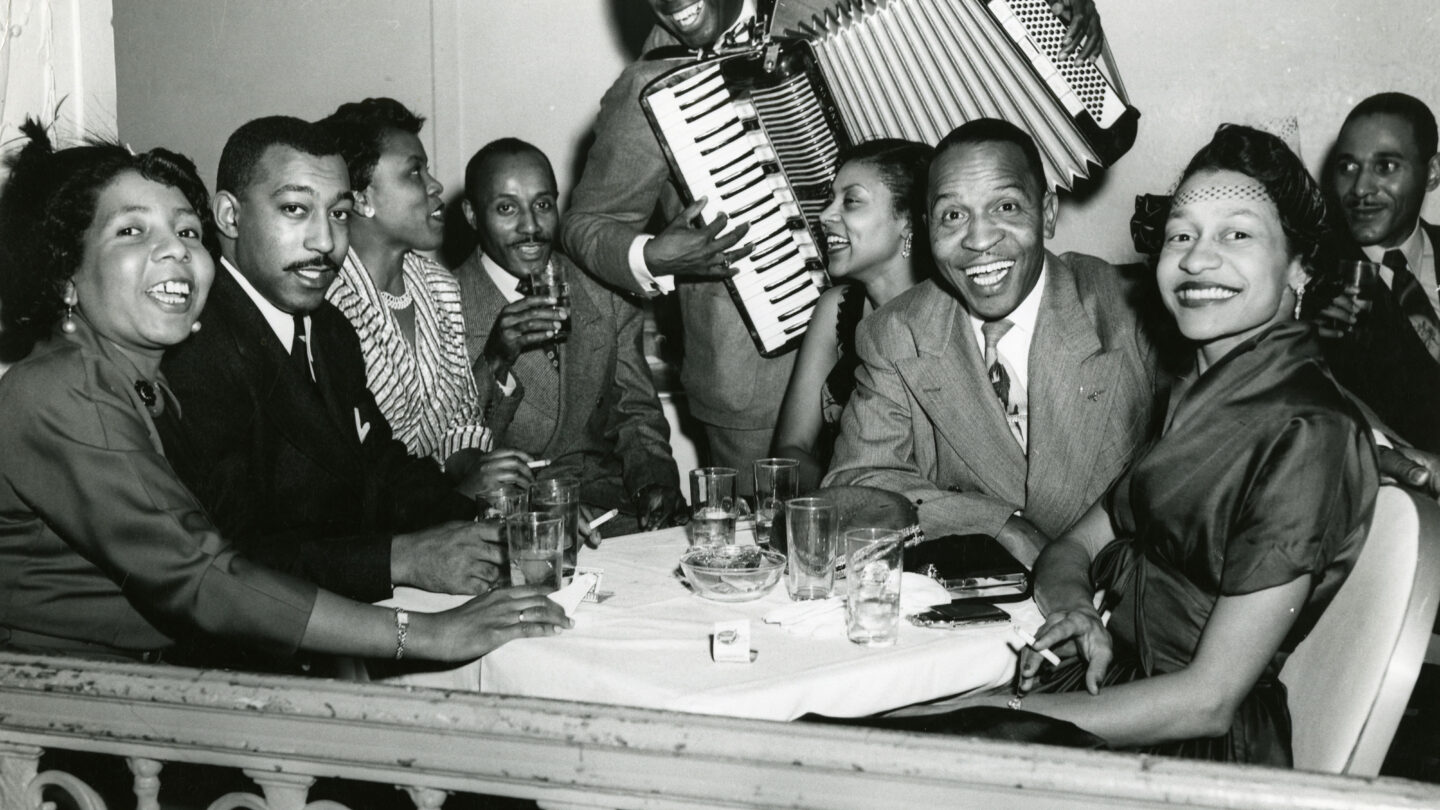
(718, 145)
(1077, 84)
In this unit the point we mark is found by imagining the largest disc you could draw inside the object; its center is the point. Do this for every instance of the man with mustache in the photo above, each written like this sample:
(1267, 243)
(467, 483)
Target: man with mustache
(277, 432)
(1004, 396)
(585, 400)
(1383, 164)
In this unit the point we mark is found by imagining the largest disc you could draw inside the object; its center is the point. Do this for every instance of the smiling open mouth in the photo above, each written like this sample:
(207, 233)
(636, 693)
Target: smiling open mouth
(688, 17)
(174, 292)
(1204, 294)
(989, 274)
(834, 242)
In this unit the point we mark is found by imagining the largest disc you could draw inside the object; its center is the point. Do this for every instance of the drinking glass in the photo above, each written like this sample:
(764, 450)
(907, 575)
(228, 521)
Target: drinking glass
(873, 559)
(549, 282)
(1363, 275)
(777, 480)
(811, 527)
(502, 501)
(535, 542)
(714, 507)
(560, 497)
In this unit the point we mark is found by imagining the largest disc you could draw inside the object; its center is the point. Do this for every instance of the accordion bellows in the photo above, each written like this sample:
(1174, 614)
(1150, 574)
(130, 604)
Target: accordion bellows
(759, 132)
(916, 69)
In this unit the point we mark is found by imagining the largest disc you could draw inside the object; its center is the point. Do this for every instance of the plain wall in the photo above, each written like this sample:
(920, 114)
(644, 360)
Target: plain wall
(190, 71)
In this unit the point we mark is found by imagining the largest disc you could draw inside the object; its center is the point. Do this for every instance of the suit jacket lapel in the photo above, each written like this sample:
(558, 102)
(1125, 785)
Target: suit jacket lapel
(950, 383)
(1072, 379)
(288, 401)
(581, 375)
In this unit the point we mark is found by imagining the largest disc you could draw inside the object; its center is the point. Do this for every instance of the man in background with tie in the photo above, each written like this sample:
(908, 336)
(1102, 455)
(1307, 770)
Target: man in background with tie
(586, 401)
(278, 434)
(1006, 394)
(1383, 164)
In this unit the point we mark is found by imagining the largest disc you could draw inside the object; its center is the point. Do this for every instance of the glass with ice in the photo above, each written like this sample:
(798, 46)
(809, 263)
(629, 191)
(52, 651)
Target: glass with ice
(535, 543)
(873, 563)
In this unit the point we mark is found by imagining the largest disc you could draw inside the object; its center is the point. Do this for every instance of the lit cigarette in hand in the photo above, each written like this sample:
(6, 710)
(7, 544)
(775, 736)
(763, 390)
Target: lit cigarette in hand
(538, 463)
(1030, 642)
(603, 519)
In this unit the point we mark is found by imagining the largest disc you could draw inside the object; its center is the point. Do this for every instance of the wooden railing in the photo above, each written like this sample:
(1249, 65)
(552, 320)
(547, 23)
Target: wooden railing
(285, 732)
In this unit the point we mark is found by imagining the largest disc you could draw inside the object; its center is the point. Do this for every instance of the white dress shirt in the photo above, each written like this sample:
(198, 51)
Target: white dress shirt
(282, 322)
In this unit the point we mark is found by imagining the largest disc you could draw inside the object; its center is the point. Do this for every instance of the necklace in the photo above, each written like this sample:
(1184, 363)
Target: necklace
(401, 301)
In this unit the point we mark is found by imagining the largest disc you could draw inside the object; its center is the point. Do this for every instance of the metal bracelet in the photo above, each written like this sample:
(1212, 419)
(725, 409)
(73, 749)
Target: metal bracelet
(402, 629)
(1014, 702)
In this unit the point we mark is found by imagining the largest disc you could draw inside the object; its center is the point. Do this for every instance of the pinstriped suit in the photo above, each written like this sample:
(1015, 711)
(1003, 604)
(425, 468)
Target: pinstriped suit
(925, 421)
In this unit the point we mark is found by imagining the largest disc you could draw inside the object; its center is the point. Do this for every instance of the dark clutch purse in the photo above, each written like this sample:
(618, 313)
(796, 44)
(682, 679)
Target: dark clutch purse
(970, 565)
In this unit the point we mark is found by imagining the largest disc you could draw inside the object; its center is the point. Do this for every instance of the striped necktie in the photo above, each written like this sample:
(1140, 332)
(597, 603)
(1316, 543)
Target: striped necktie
(1010, 393)
(1411, 299)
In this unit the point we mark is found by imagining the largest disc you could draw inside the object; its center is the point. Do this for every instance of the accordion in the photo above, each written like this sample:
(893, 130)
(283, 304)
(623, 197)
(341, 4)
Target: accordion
(759, 132)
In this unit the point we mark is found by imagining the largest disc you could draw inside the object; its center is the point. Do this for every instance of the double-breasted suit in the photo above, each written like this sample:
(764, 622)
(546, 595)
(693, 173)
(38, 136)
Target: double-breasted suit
(610, 432)
(925, 421)
(302, 476)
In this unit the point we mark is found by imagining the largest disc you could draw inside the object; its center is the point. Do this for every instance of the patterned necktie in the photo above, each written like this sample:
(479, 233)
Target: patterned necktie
(1011, 393)
(552, 352)
(1411, 299)
(300, 350)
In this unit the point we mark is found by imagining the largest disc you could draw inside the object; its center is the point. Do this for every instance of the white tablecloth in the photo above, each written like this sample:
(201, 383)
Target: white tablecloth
(648, 645)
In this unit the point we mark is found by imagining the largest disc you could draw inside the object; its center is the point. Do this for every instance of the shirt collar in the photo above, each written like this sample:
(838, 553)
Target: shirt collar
(508, 285)
(281, 322)
(1413, 247)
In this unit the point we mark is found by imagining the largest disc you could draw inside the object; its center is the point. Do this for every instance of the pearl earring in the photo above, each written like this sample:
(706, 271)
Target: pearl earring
(67, 323)
(194, 327)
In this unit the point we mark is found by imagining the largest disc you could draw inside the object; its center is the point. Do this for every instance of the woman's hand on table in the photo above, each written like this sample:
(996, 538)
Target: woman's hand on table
(659, 507)
(475, 628)
(1067, 633)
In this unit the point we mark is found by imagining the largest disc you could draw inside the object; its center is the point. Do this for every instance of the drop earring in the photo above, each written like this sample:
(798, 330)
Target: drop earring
(194, 327)
(67, 323)
(905, 249)
(1299, 299)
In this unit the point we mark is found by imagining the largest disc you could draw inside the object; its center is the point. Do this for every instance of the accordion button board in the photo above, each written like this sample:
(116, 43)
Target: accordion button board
(760, 148)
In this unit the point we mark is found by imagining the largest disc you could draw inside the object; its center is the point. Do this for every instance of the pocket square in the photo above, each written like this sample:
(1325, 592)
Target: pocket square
(362, 428)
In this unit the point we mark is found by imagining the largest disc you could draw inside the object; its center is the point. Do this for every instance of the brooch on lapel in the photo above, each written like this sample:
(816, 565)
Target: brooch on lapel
(146, 392)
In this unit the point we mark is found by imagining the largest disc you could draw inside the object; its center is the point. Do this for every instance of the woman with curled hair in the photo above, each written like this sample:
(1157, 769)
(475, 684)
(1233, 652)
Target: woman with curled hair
(103, 552)
(876, 244)
(1231, 530)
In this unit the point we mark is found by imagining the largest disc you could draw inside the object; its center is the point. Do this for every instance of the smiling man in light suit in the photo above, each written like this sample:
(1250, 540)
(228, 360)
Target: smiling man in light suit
(1004, 396)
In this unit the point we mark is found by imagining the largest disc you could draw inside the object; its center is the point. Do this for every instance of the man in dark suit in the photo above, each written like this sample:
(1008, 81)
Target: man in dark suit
(1384, 162)
(586, 402)
(279, 436)
(1004, 396)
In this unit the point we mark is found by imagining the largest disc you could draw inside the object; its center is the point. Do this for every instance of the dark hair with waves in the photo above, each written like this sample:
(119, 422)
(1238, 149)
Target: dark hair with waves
(903, 166)
(46, 207)
(359, 129)
(1266, 158)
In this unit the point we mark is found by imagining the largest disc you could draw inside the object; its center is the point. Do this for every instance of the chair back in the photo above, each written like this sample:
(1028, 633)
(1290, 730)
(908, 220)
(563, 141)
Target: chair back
(1351, 677)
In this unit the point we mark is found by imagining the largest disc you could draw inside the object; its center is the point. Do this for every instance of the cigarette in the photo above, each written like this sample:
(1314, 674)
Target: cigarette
(538, 463)
(1030, 642)
(603, 519)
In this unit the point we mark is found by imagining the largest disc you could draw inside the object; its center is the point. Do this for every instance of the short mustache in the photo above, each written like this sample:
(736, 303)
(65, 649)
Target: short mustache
(323, 264)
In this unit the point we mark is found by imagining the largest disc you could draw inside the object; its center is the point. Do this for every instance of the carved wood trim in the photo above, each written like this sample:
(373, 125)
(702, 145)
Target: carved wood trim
(590, 755)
